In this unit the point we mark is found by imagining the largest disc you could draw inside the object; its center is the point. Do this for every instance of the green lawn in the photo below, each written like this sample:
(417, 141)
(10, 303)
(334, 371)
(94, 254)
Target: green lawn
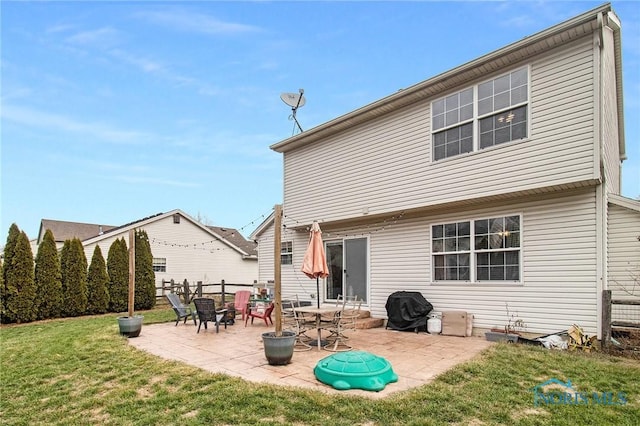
(80, 371)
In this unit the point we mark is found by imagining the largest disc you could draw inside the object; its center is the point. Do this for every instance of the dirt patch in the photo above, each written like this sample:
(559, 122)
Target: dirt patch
(624, 343)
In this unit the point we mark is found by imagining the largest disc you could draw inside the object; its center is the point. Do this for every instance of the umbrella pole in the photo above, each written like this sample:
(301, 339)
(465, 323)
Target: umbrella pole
(318, 291)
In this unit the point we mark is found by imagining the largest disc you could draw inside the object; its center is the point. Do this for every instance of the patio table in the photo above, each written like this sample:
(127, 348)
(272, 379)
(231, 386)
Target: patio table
(318, 312)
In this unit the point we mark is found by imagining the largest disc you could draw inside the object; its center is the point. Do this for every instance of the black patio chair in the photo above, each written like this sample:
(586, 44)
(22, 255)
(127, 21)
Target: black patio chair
(206, 309)
(182, 311)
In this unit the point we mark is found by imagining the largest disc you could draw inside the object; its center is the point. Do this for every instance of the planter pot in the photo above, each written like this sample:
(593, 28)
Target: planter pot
(130, 326)
(279, 350)
(497, 336)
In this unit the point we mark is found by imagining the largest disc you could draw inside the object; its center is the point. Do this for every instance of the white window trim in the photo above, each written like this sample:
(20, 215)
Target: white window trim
(155, 265)
(476, 118)
(283, 253)
(472, 254)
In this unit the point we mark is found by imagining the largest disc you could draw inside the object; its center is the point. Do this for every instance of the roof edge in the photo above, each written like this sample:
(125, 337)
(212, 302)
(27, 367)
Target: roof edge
(396, 99)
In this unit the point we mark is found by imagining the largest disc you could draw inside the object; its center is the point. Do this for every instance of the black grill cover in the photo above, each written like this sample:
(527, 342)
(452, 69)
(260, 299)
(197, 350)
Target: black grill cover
(407, 310)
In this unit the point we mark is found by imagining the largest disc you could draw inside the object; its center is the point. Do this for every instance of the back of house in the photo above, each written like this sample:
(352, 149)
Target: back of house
(482, 188)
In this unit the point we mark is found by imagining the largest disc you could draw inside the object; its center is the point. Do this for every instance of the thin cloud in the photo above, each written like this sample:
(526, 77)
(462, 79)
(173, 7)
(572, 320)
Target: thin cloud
(33, 118)
(105, 36)
(195, 22)
(146, 65)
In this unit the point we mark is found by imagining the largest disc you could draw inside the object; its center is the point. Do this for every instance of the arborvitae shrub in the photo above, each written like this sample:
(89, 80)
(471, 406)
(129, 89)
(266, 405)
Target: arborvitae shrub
(97, 283)
(74, 279)
(20, 283)
(118, 270)
(145, 297)
(7, 291)
(48, 279)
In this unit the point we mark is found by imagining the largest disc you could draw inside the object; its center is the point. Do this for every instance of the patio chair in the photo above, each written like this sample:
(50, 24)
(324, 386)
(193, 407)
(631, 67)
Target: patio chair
(293, 322)
(182, 311)
(206, 309)
(241, 302)
(345, 321)
(261, 312)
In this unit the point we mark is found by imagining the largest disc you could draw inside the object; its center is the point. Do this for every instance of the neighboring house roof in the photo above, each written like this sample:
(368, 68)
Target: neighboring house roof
(63, 230)
(479, 68)
(621, 201)
(90, 233)
(233, 242)
(232, 235)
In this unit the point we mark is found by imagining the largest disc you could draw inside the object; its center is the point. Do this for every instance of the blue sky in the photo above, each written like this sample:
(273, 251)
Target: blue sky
(115, 111)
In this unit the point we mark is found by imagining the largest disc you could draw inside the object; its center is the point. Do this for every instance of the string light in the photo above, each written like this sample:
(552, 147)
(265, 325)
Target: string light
(259, 218)
(195, 246)
(368, 228)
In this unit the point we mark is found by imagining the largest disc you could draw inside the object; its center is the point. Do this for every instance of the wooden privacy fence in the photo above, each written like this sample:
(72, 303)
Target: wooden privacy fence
(188, 291)
(619, 315)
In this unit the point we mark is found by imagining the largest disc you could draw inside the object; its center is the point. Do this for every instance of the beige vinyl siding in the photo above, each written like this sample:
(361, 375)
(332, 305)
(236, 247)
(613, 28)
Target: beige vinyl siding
(205, 259)
(623, 252)
(386, 165)
(611, 150)
(265, 255)
(558, 285)
(294, 282)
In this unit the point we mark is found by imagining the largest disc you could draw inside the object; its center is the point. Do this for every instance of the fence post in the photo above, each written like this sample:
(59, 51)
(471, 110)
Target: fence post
(185, 286)
(199, 288)
(606, 318)
(222, 290)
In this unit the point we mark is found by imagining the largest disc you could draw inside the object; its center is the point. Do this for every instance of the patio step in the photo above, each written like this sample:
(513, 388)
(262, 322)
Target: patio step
(369, 322)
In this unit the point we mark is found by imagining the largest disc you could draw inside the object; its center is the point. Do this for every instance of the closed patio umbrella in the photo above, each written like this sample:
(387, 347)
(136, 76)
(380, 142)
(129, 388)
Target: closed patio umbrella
(314, 264)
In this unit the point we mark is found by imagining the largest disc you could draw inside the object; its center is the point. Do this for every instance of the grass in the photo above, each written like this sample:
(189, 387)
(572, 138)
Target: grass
(80, 371)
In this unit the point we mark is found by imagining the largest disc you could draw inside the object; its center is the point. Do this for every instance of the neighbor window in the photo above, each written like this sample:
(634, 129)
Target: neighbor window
(286, 253)
(159, 264)
(494, 254)
(499, 115)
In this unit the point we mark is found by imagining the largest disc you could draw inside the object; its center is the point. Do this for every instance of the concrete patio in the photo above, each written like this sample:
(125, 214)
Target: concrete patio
(237, 351)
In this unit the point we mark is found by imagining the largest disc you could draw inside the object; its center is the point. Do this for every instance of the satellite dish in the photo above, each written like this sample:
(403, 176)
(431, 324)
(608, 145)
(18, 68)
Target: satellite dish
(295, 101)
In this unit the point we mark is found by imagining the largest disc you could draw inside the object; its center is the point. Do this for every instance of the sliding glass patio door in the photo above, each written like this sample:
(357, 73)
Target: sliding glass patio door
(348, 269)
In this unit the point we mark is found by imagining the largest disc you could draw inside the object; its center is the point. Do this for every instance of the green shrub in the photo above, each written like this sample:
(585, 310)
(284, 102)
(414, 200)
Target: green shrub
(9, 249)
(97, 283)
(118, 270)
(74, 278)
(48, 278)
(20, 284)
(145, 297)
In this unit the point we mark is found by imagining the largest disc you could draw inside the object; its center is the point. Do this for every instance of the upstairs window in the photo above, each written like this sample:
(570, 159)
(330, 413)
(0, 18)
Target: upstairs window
(286, 253)
(482, 116)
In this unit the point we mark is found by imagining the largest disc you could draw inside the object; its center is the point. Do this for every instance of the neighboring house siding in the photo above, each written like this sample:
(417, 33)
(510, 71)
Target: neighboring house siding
(205, 259)
(610, 140)
(624, 252)
(386, 165)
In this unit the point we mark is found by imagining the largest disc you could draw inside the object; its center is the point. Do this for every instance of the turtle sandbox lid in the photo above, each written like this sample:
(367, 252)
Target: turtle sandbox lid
(355, 370)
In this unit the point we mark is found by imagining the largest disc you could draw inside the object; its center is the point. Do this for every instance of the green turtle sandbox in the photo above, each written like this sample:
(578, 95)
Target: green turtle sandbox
(355, 370)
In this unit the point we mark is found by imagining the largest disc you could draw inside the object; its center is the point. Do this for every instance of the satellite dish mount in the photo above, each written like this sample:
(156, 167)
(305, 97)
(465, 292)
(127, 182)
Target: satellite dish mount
(295, 101)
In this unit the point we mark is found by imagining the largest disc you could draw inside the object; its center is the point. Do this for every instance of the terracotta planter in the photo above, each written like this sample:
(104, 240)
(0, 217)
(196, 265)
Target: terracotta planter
(279, 350)
(130, 326)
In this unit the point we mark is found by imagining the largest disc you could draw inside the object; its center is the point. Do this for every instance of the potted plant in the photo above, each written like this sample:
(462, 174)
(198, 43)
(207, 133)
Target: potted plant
(278, 344)
(511, 330)
(131, 325)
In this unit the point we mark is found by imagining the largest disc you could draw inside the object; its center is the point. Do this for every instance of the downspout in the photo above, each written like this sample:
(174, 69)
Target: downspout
(600, 193)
